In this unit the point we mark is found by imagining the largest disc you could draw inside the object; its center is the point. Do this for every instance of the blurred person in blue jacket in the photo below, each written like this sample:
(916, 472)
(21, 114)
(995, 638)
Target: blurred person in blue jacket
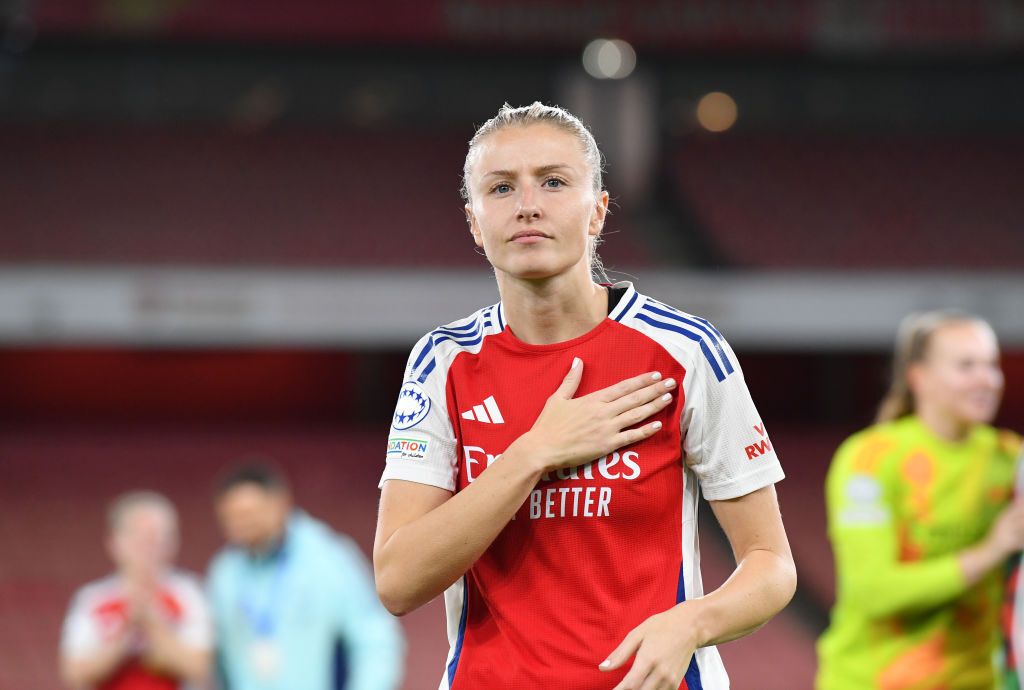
(289, 592)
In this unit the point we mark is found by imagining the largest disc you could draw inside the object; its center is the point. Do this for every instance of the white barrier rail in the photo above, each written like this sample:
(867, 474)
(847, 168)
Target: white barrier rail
(195, 307)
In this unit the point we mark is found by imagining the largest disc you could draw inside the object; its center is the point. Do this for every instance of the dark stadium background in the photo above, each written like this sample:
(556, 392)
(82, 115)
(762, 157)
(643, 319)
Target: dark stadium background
(223, 223)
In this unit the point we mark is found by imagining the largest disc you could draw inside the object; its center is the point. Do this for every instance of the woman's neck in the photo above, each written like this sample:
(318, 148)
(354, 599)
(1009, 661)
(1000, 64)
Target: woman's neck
(942, 424)
(552, 310)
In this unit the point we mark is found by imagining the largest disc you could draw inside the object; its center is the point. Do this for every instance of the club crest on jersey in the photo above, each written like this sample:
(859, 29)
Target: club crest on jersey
(413, 406)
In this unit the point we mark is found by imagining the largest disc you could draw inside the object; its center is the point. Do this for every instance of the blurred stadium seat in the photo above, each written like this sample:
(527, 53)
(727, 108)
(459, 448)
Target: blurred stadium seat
(297, 197)
(856, 201)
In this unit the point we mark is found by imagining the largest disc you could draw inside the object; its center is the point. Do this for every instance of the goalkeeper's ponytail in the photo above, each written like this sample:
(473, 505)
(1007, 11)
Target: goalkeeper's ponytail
(912, 340)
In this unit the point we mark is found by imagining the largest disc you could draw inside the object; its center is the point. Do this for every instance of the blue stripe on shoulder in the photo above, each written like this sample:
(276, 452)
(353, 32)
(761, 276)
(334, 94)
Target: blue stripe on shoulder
(424, 352)
(469, 340)
(462, 333)
(711, 326)
(426, 370)
(700, 324)
(464, 327)
(697, 338)
(466, 335)
(628, 306)
(675, 311)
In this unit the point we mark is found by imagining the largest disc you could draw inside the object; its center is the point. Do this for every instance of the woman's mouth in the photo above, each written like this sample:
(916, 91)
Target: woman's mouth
(528, 237)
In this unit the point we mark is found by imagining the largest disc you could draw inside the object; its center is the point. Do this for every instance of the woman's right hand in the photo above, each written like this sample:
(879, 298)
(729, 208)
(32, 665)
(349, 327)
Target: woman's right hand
(574, 431)
(1005, 537)
(1007, 533)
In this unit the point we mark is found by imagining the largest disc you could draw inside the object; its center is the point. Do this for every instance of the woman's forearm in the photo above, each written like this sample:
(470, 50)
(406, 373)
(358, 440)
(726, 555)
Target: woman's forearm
(870, 573)
(760, 587)
(424, 557)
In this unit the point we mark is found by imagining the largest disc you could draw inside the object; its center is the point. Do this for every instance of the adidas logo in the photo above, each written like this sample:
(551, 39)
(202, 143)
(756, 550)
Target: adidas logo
(488, 413)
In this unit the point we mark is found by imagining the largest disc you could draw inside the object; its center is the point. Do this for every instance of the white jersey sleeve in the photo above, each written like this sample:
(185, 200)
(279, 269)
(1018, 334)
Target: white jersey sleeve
(725, 443)
(421, 445)
(195, 628)
(80, 635)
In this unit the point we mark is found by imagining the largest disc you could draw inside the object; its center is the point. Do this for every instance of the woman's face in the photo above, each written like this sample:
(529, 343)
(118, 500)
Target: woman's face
(533, 206)
(145, 542)
(960, 373)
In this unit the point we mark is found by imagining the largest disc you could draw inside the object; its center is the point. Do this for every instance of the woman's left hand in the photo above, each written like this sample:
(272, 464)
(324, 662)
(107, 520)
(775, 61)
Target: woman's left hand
(663, 645)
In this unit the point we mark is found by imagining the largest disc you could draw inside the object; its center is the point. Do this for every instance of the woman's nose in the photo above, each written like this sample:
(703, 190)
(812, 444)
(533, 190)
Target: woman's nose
(528, 208)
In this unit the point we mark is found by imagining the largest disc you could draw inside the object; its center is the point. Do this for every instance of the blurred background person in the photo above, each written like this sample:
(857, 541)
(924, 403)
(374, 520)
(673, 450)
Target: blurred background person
(921, 521)
(146, 627)
(288, 591)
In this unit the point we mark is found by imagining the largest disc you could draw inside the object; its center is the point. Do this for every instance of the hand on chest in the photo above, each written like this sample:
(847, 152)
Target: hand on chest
(492, 403)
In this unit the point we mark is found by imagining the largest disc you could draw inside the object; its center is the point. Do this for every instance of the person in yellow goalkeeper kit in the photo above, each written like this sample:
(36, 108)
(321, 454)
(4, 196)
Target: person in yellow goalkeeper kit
(921, 520)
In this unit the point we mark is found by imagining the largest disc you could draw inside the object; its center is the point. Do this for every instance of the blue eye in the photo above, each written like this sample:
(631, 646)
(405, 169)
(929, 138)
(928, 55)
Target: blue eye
(502, 188)
(553, 182)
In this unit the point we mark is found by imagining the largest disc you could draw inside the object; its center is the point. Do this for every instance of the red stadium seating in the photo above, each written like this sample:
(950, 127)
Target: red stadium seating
(297, 197)
(857, 201)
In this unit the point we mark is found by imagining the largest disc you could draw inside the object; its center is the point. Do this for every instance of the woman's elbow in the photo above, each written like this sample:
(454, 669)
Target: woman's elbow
(395, 605)
(789, 580)
(785, 580)
(396, 599)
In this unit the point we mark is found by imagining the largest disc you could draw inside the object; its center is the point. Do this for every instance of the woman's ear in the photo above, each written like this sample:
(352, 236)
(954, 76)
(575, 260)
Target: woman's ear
(916, 375)
(599, 214)
(474, 228)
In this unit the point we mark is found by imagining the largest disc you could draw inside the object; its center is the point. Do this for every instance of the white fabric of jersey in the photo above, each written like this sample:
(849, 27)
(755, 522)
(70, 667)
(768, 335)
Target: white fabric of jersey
(82, 634)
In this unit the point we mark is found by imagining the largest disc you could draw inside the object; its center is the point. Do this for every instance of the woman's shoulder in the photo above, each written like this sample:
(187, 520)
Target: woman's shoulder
(1009, 441)
(688, 337)
(448, 340)
(640, 307)
(468, 328)
(1006, 442)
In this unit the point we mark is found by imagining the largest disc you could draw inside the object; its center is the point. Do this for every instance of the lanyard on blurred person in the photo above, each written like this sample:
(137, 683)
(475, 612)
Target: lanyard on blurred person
(261, 612)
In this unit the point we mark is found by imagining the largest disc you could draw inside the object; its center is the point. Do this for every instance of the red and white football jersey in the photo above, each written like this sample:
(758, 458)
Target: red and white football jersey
(99, 612)
(597, 549)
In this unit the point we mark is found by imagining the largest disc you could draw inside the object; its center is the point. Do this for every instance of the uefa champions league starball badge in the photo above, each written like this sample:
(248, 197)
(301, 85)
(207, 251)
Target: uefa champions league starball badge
(413, 406)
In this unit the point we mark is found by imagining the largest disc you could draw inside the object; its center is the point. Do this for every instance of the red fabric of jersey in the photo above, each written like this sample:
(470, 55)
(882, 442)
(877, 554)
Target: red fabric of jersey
(595, 550)
(134, 675)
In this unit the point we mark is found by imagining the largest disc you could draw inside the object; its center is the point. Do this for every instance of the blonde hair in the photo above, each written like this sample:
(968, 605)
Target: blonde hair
(913, 338)
(534, 114)
(126, 503)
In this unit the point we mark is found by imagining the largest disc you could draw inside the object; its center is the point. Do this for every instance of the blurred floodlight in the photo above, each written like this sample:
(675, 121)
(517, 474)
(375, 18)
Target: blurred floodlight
(716, 111)
(606, 58)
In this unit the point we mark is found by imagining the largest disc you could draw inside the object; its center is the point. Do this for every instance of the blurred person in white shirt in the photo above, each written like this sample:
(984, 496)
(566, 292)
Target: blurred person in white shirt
(147, 625)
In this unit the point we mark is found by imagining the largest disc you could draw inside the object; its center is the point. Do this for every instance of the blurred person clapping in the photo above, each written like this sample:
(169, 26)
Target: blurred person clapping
(145, 627)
